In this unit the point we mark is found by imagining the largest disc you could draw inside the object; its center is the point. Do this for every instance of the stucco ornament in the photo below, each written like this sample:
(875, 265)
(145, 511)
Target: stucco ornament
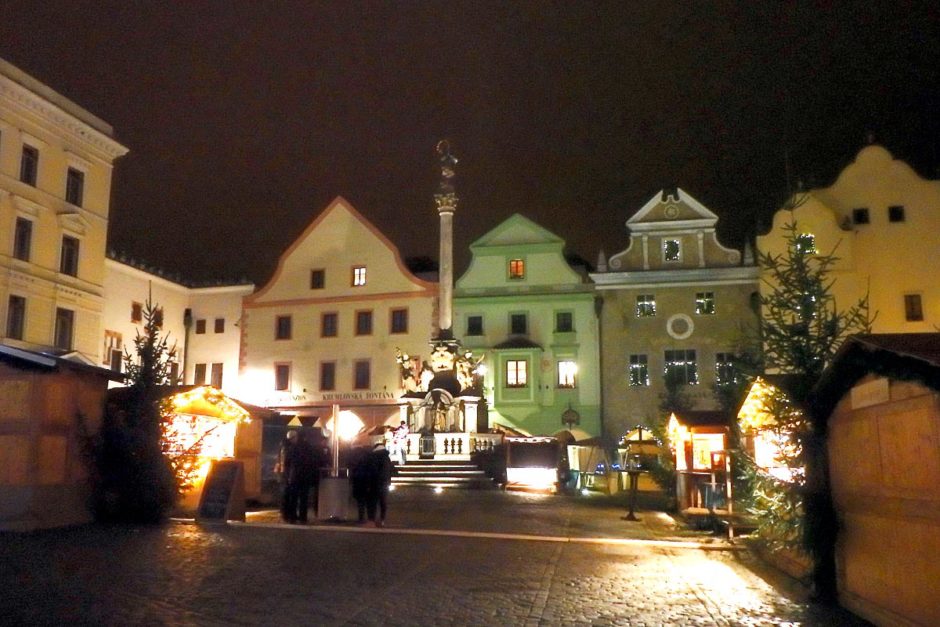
(679, 326)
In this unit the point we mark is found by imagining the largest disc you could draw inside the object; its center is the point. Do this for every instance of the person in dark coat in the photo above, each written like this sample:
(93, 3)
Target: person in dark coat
(359, 473)
(288, 498)
(301, 469)
(379, 477)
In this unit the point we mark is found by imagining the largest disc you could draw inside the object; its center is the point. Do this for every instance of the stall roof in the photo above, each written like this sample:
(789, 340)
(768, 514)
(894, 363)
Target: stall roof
(703, 418)
(901, 356)
(52, 361)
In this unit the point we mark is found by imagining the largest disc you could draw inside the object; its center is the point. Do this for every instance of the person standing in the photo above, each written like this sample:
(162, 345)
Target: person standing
(379, 477)
(302, 467)
(359, 473)
(282, 467)
(401, 443)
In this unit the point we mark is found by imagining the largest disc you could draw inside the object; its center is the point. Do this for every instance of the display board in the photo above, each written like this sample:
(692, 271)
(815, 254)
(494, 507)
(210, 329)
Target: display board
(223, 494)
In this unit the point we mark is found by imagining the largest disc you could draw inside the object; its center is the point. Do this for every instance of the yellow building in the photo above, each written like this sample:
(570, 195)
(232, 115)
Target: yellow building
(675, 302)
(325, 327)
(882, 220)
(55, 186)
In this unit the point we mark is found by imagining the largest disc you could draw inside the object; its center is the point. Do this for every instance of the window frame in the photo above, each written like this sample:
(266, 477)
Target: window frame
(363, 315)
(29, 165)
(689, 367)
(359, 276)
(800, 243)
(218, 325)
(567, 380)
(216, 373)
(282, 384)
(62, 314)
(470, 330)
(334, 316)
(515, 269)
(402, 316)
(69, 255)
(559, 316)
(282, 323)
(327, 366)
(317, 278)
(896, 214)
(513, 316)
(74, 186)
(200, 326)
(200, 372)
(23, 238)
(725, 371)
(705, 303)
(646, 305)
(513, 371)
(861, 215)
(638, 368)
(913, 307)
(16, 325)
(665, 250)
(357, 364)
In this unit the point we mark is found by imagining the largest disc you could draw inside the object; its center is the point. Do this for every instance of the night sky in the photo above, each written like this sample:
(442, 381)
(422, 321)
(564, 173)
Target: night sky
(245, 119)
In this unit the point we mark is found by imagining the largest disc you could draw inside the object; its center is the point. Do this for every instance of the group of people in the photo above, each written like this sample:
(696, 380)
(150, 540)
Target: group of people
(299, 463)
(371, 468)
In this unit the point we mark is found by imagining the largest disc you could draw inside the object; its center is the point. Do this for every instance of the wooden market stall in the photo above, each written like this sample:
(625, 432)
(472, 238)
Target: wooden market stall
(699, 440)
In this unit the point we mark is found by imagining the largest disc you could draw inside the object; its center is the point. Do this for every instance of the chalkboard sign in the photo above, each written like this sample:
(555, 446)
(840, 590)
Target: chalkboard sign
(223, 494)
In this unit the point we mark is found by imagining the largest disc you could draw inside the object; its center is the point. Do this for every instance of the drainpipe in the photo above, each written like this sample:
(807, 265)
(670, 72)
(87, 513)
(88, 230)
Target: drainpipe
(187, 324)
(598, 307)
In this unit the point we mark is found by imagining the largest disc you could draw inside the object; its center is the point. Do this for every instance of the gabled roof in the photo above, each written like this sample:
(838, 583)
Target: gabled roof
(517, 230)
(901, 356)
(671, 206)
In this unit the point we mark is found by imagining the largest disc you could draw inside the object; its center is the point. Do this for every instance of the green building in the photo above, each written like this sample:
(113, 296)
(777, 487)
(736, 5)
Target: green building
(522, 305)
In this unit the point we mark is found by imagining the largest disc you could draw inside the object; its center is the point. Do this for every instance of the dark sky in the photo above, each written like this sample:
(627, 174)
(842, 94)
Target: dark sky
(244, 119)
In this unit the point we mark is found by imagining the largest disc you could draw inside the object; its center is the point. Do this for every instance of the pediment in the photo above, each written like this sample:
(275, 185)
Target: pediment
(669, 206)
(517, 230)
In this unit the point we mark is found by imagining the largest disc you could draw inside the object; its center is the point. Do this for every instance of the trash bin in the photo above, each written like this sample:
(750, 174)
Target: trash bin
(333, 501)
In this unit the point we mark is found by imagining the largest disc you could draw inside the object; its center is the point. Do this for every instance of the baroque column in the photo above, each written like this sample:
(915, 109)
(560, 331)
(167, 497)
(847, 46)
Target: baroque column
(446, 199)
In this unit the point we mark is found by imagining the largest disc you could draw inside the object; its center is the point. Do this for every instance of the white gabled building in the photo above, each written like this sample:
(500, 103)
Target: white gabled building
(55, 187)
(326, 326)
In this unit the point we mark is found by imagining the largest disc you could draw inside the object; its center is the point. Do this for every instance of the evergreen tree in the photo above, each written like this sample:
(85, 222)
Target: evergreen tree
(136, 481)
(801, 328)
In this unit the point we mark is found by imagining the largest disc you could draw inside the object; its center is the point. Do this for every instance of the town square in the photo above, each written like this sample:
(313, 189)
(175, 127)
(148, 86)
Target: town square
(524, 313)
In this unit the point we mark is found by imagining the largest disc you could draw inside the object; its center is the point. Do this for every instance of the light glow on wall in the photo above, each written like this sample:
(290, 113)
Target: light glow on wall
(349, 425)
(542, 479)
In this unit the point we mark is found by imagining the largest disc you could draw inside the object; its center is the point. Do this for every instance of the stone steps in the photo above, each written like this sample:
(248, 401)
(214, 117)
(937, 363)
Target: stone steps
(442, 474)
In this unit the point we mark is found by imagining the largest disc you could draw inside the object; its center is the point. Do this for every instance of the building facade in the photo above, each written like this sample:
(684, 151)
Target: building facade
(199, 323)
(55, 186)
(326, 327)
(677, 304)
(522, 305)
(882, 221)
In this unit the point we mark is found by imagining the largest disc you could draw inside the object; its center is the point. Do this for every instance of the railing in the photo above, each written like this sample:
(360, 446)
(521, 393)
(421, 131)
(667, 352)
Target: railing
(454, 444)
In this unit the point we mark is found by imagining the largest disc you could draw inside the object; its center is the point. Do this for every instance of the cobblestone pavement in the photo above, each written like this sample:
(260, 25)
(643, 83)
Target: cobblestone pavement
(265, 573)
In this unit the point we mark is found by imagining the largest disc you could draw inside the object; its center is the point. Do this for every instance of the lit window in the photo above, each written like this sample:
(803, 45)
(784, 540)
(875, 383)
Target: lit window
(672, 250)
(645, 305)
(64, 323)
(68, 261)
(516, 373)
(725, 373)
(362, 375)
(220, 325)
(282, 328)
(359, 276)
(806, 244)
(705, 303)
(317, 279)
(896, 213)
(199, 374)
(281, 377)
(22, 239)
(200, 326)
(566, 373)
(216, 380)
(516, 268)
(329, 324)
(327, 376)
(363, 323)
(29, 165)
(639, 371)
(474, 325)
(16, 317)
(913, 308)
(399, 321)
(564, 322)
(860, 215)
(681, 367)
(137, 312)
(74, 186)
(518, 324)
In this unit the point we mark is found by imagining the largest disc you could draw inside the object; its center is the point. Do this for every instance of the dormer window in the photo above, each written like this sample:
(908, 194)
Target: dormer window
(358, 276)
(516, 268)
(672, 250)
(896, 213)
(860, 215)
(806, 244)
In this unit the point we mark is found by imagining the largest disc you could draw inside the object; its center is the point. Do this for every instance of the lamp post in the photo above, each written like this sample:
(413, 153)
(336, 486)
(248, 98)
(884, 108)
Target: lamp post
(633, 469)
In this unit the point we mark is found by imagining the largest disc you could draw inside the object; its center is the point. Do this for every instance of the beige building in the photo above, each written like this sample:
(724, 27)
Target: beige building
(675, 302)
(882, 221)
(326, 326)
(55, 185)
(200, 323)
